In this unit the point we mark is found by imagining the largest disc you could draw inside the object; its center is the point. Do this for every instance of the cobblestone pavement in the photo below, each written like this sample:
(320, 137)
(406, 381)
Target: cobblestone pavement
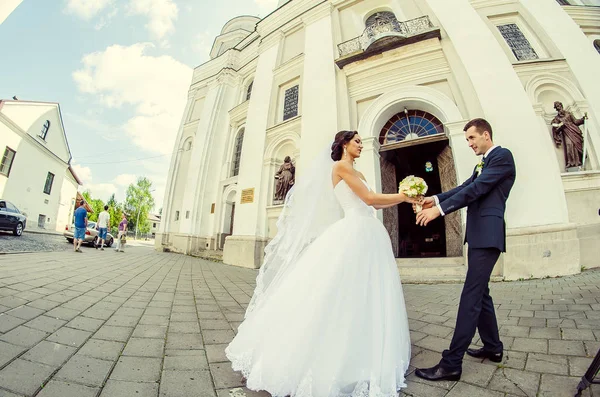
(148, 324)
(31, 242)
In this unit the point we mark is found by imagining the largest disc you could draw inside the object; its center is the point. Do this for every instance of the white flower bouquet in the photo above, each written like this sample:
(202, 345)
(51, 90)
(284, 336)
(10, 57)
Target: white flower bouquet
(413, 186)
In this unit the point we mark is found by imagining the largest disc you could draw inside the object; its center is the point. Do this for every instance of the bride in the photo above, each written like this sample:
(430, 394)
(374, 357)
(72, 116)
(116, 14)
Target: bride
(327, 318)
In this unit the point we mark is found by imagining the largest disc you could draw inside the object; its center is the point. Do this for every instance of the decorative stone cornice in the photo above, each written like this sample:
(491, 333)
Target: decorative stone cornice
(239, 113)
(491, 3)
(321, 11)
(295, 63)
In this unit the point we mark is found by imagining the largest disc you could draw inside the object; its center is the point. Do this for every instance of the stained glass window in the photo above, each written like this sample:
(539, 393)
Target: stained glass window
(517, 42)
(237, 154)
(290, 103)
(410, 124)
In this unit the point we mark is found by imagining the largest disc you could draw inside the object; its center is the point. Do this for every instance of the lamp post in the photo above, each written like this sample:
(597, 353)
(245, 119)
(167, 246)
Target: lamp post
(138, 216)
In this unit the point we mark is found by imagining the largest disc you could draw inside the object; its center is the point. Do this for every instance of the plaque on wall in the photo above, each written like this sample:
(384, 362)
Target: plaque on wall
(517, 42)
(247, 196)
(290, 103)
(212, 208)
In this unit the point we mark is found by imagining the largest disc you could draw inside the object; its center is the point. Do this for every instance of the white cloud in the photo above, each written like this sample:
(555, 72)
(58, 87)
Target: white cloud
(98, 190)
(84, 173)
(125, 179)
(86, 9)
(155, 86)
(202, 44)
(161, 15)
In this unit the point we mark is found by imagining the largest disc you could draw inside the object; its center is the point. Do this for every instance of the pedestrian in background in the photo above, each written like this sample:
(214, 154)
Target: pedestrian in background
(122, 234)
(102, 226)
(81, 222)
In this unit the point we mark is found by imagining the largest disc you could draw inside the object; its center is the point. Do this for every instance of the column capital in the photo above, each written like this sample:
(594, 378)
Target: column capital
(371, 143)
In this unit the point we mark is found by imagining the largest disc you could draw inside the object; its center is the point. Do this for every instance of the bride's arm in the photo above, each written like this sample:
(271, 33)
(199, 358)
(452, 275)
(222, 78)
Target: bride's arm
(346, 172)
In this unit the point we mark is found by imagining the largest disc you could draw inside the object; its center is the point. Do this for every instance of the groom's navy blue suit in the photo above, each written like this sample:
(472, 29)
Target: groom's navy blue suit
(485, 195)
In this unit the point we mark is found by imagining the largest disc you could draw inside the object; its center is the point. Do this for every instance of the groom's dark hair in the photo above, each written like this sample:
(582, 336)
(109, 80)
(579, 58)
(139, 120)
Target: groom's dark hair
(481, 125)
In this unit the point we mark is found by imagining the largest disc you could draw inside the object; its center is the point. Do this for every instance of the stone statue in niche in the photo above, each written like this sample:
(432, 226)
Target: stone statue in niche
(565, 131)
(285, 179)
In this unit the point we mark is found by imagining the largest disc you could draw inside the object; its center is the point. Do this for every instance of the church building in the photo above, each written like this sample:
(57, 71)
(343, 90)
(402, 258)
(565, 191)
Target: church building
(407, 75)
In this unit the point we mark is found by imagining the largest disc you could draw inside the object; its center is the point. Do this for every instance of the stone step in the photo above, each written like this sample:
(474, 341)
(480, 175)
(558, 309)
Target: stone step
(434, 270)
(430, 262)
(442, 279)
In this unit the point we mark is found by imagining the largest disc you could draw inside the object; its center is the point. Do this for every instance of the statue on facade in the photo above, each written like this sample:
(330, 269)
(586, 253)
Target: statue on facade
(565, 131)
(285, 179)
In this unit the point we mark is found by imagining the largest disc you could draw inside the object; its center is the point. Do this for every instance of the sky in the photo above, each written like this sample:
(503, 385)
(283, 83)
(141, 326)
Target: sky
(120, 70)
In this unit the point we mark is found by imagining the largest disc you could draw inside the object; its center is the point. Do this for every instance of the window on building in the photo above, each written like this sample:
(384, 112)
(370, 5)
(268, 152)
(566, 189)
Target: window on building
(290, 103)
(517, 42)
(45, 129)
(249, 91)
(154, 225)
(237, 154)
(187, 214)
(49, 182)
(7, 160)
(410, 124)
(597, 45)
(176, 215)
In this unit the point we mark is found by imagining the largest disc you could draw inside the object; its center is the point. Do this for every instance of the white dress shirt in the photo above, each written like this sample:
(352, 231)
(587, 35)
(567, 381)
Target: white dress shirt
(437, 201)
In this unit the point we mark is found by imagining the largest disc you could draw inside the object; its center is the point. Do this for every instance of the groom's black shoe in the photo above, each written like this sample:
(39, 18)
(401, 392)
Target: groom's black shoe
(438, 373)
(482, 353)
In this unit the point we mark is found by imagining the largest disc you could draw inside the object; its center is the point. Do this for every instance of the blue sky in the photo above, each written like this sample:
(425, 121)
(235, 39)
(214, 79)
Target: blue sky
(120, 70)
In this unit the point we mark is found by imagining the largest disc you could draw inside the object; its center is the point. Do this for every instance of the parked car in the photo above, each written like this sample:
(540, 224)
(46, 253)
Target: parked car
(11, 218)
(91, 235)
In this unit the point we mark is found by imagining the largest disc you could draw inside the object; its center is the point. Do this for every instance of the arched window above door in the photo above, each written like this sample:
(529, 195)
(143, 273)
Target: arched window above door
(410, 124)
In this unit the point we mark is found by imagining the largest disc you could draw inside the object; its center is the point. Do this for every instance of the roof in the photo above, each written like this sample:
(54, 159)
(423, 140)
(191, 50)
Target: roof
(72, 171)
(154, 217)
(85, 204)
(62, 124)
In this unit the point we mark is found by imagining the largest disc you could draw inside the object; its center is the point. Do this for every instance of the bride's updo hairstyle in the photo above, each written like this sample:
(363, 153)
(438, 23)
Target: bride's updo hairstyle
(341, 138)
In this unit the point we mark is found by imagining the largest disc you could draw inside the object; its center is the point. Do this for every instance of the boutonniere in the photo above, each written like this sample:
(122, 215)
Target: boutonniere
(479, 168)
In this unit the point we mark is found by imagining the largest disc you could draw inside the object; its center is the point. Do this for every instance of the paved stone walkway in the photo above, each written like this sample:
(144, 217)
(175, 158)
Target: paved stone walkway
(147, 324)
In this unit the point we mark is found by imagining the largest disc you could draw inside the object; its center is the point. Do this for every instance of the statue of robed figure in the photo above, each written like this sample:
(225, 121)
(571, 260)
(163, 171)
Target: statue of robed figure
(565, 131)
(285, 179)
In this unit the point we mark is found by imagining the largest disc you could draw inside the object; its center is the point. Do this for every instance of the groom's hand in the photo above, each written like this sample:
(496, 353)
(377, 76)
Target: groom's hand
(426, 216)
(426, 202)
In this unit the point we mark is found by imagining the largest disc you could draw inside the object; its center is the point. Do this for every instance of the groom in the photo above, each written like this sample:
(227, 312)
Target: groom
(485, 194)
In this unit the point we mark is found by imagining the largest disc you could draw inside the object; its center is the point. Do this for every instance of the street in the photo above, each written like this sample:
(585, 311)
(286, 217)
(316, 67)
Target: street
(156, 324)
(31, 242)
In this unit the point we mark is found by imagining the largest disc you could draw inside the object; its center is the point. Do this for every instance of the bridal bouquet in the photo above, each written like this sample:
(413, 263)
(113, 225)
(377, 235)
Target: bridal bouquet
(413, 186)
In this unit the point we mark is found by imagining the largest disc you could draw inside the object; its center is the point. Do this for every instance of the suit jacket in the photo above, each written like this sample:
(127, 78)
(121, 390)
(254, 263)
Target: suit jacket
(485, 195)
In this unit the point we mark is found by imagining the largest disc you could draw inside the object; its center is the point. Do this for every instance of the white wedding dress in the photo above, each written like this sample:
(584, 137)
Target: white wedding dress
(341, 333)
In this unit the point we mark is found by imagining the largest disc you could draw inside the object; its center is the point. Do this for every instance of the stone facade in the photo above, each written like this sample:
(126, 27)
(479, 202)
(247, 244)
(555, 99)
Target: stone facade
(311, 68)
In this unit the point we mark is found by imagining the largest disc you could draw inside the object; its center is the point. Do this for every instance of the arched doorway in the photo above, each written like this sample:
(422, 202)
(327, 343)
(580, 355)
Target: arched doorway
(413, 142)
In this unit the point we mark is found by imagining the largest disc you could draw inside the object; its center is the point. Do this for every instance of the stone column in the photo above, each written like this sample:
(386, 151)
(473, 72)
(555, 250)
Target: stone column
(245, 247)
(173, 169)
(509, 111)
(537, 204)
(319, 99)
(580, 54)
(370, 165)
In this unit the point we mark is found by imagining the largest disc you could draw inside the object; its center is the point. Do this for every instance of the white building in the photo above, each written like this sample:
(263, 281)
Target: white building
(7, 7)
(35, 171)
(154, 221)
(284, 85)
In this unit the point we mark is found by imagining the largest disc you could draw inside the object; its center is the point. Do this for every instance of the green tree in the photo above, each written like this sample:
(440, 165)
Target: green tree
(138, 204)
(96, 205)
(115, 210)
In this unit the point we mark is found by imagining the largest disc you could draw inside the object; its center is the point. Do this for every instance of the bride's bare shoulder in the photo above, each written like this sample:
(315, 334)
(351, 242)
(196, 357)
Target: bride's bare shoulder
(341, 166)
